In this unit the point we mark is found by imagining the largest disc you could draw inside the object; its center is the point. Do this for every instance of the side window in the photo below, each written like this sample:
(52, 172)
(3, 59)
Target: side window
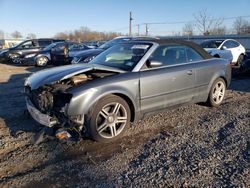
(192, 55)
(170, 54)
(229, 44)
(27, 45)
(235, 44)
(60, 47)
(44, 43)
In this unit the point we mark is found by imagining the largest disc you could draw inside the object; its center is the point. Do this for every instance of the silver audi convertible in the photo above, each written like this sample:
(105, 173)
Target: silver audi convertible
(124, 84)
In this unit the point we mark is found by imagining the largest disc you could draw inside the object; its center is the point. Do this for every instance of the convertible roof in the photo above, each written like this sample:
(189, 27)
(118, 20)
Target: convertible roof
(193, 45)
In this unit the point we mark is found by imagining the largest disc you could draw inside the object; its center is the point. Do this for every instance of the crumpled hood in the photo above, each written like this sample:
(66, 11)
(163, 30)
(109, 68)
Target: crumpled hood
(60, 73)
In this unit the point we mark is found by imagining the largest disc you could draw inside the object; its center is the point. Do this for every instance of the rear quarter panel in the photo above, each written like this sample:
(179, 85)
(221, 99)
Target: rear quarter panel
(207, 72)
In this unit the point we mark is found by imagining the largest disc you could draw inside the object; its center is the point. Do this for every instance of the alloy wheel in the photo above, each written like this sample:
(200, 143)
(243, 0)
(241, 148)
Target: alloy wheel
(218, 92)
(111, 120)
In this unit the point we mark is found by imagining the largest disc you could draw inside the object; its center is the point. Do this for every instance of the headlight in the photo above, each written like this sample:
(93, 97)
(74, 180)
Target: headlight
(75, 60)
(30, 55)
(88, 59)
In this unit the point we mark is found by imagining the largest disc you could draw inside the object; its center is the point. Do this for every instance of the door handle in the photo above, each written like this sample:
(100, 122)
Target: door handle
(189, 72)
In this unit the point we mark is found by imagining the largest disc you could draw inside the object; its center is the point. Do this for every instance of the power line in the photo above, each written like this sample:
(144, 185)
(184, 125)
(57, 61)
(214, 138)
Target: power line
(179, 22)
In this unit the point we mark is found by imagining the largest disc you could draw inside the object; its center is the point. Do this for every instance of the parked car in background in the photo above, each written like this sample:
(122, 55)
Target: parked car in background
(124, 84)
(64, 54)
(13, 54)
(88, 55)
(94, 44)
(43, 56)
(75, 49)
(228, 49)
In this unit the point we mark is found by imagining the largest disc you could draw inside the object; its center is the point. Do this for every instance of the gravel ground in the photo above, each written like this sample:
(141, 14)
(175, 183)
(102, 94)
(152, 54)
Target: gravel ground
(192, 146)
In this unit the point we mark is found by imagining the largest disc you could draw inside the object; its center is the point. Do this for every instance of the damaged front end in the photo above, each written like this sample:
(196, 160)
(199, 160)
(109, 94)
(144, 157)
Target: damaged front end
(48, 104)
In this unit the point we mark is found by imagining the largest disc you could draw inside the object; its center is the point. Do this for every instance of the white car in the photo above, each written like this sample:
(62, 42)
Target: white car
(226, 48)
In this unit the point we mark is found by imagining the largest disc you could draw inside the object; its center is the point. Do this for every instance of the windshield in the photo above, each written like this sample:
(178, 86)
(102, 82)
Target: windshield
(49, 47)
(76, 47)
(113, 42)
(211, 44)
(122, 56)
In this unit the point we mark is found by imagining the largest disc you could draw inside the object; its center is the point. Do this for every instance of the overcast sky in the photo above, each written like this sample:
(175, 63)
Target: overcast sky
(45, 18)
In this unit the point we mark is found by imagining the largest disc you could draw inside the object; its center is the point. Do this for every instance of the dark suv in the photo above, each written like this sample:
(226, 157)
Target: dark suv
(14, 54)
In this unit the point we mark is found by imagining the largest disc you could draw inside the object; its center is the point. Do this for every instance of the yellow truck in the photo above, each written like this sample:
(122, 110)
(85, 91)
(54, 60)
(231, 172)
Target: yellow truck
(7, 43)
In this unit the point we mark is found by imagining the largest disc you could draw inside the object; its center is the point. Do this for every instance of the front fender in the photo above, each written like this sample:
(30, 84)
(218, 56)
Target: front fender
(81, 102)
(43, 55)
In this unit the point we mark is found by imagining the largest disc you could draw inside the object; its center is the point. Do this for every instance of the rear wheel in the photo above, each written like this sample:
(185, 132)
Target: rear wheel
(217, 92)
(109, 119)
(42, 61)
(240, 60)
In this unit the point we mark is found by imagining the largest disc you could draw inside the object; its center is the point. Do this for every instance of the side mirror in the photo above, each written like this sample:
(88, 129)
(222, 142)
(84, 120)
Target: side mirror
(153, 63)
(224, 47)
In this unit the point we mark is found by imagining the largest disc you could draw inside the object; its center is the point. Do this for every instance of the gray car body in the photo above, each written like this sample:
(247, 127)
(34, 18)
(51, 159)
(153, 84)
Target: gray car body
(146, 90)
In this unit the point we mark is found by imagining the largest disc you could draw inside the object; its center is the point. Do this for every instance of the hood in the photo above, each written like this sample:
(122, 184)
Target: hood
(210, 49)
(91, 52)
(60, 73)
(75, 53)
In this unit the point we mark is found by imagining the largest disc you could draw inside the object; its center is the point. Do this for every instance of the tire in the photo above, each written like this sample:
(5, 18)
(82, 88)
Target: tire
(108, 119)
(14, 58)
(240, 60)
(217, 93)
(42, 61)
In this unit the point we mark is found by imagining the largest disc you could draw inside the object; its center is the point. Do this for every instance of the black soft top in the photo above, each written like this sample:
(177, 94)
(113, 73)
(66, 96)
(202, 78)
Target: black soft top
(193, 45)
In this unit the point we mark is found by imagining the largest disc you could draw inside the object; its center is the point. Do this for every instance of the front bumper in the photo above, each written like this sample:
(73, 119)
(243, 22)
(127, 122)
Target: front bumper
(41, 118)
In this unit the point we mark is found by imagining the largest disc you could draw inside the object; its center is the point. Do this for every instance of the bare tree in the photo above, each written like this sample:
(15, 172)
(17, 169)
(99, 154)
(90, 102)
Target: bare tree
(188, 29)
(16, 34)
(31, 36)
(241, 26)
(206, 24)
(85, 34)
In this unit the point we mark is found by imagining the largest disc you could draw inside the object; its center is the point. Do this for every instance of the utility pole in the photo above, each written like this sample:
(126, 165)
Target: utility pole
(130, 23)
(146, 26)
(138, 29)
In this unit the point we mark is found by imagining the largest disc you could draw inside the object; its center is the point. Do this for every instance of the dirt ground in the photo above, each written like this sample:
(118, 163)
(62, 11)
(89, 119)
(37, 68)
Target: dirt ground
(192, 146)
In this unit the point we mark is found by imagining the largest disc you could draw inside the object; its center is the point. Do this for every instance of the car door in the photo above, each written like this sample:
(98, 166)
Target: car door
(234, 48)
(168, 85)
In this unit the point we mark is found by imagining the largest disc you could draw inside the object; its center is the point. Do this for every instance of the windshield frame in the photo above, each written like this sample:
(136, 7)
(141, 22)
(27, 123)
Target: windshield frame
(98, 59)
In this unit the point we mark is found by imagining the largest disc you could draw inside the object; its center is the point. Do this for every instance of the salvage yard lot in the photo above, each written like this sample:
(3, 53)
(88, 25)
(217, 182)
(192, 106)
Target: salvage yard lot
(190, 146)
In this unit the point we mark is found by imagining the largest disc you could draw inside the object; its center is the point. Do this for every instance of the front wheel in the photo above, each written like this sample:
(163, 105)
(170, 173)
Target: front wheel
(14, 58)
(42, 61)
(217, 93)
(109, 119)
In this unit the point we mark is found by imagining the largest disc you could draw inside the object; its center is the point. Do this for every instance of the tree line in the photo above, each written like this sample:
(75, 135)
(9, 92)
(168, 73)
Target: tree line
(85, 34)
(207, 25)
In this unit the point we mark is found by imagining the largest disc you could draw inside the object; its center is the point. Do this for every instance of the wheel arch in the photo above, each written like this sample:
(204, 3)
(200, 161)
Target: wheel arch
(82, 105)
(130, 104)
(221, 75)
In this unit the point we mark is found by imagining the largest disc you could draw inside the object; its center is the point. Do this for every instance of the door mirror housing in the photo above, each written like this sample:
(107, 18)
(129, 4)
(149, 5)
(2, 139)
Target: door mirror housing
(154, 64)
(224, 47)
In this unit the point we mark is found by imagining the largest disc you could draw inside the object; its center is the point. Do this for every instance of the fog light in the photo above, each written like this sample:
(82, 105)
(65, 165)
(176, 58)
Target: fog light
(62, 134)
